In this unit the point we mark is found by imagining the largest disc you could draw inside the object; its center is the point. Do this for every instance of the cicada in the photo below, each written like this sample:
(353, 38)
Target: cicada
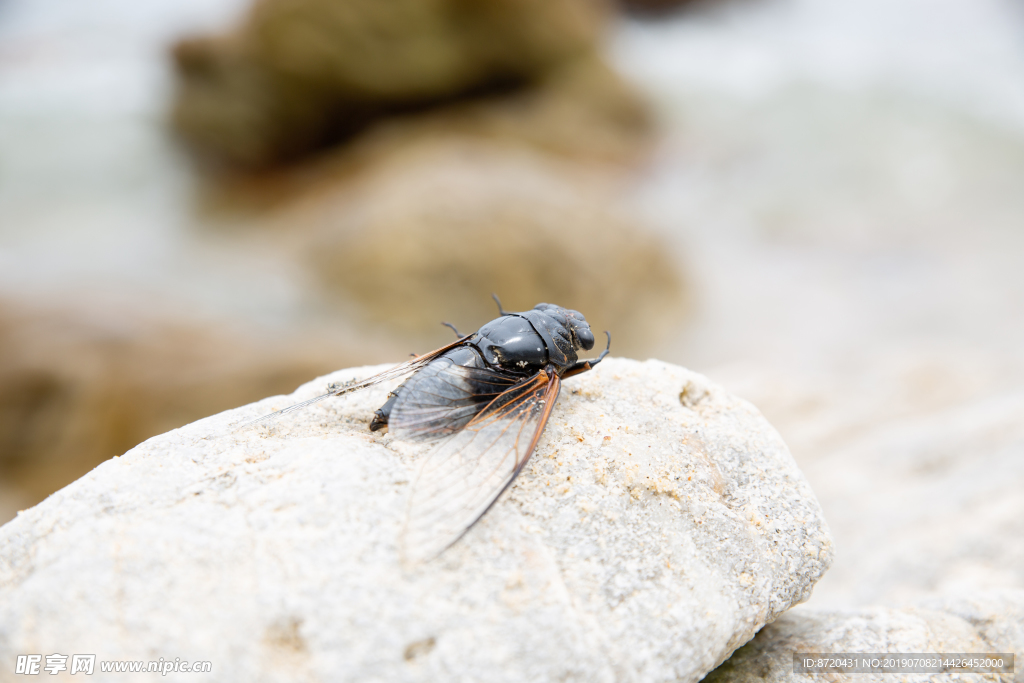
(483, 401)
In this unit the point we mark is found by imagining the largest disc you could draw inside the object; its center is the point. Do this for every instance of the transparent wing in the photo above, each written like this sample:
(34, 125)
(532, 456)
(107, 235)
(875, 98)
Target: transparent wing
(444, 397)
(339, 390)
(462, 477)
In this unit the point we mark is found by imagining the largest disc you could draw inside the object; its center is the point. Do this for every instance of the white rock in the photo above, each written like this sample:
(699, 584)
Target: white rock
(659, 525)
(922, 493)
(990, 622)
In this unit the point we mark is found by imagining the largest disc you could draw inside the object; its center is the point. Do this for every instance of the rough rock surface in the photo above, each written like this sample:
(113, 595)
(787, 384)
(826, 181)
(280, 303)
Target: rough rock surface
(660, 523)
(986, 622)
(917, 465)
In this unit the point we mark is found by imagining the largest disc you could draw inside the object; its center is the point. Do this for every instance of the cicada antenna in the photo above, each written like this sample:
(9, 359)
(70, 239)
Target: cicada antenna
(452, 328)
(501, 310)
(607, 348)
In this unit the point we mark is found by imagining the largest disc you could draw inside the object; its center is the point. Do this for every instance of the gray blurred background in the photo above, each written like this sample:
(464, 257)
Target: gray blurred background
(819, 204)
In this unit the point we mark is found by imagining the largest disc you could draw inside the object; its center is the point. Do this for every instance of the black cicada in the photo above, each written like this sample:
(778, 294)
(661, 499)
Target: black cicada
(485, 399)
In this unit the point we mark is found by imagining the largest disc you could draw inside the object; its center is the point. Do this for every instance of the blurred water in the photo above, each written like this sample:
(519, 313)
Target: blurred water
(962, 54)
(842, 174)
(95, 196)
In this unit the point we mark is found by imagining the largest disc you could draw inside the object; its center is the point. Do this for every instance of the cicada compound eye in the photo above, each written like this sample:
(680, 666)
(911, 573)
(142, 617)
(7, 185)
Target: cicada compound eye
(585, 337)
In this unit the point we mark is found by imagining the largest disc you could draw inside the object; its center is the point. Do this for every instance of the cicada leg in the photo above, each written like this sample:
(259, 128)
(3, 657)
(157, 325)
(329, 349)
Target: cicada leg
(382, 414)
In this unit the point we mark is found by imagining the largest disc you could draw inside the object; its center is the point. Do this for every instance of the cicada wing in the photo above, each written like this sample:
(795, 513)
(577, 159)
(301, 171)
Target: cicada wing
(392, 373)
(462, 477)
(444, 397)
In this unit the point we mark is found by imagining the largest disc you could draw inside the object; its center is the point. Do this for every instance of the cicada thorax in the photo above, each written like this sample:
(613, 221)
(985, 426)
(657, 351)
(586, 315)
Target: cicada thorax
(513, 343)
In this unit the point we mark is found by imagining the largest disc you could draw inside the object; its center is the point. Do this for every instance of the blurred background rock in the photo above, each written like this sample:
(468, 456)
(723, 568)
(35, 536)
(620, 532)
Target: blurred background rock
(816, 203)
(297, 75)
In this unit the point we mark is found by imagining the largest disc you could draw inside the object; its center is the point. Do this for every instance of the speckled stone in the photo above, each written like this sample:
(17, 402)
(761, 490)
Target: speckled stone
(985, 622)
(660, 523)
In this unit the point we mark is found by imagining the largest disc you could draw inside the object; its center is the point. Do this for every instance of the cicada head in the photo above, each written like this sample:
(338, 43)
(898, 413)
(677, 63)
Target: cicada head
(575, 326)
